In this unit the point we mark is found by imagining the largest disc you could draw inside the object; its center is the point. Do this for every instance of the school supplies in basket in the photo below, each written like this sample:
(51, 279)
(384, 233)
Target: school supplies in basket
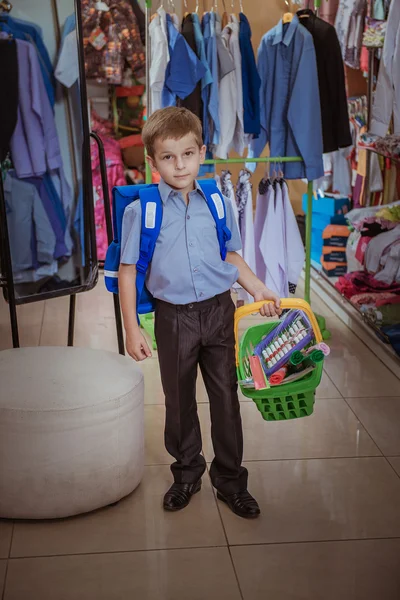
(290, 354)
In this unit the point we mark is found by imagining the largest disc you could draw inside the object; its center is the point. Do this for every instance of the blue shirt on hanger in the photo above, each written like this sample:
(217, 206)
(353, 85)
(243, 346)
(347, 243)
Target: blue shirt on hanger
(250, 79)
(184, 69)
(29, 32)
(289, 99)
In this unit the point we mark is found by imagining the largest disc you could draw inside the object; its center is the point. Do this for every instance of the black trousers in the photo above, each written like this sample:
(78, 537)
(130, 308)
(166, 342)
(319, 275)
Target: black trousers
(201, 334)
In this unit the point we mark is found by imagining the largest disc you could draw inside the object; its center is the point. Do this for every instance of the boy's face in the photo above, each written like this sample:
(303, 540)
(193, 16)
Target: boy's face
(178, 161)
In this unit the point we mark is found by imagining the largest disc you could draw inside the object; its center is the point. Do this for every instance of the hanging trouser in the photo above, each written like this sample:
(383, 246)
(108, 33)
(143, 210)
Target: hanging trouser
(201, 334)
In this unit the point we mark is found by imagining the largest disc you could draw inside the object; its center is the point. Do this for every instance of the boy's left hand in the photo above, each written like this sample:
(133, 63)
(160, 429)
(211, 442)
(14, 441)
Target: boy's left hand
(273, 309)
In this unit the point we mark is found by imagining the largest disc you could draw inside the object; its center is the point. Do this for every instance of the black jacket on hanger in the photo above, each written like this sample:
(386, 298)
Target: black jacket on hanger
(193, 102)
(141, 20)
(332, 88)
(9, 94)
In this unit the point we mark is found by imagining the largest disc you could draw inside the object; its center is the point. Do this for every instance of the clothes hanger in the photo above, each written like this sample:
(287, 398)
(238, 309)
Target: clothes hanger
(287, 17)
(5, 6)
(187, 10)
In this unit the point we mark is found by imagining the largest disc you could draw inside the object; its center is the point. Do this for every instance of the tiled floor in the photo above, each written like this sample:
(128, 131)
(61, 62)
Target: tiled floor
(328, 486)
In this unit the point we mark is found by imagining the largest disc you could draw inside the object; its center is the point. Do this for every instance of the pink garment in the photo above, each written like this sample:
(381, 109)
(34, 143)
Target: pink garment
(364, 59)
(375, 298)
(362, 282)
(115, 176)
(362, 248)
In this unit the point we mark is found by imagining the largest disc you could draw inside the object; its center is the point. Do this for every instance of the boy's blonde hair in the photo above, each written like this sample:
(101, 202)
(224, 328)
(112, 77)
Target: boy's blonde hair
(172, 123)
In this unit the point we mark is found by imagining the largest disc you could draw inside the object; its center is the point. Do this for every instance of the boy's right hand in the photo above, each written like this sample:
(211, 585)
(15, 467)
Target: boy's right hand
(137, 347)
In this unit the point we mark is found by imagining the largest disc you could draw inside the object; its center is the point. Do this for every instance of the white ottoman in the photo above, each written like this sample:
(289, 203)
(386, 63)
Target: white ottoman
(71, 431)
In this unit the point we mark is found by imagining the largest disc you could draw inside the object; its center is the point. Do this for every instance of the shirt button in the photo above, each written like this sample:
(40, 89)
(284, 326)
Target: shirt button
(195, 270)
(191, 244)
(188, 217)
(201, 294)
(190, 305)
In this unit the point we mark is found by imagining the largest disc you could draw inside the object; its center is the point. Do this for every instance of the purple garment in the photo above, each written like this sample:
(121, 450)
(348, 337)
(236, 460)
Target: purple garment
(60, 249)
(34, 145)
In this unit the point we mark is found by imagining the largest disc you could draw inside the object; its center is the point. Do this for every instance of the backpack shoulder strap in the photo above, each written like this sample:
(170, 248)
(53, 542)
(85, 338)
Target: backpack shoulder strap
(217, 206)
(151, 205)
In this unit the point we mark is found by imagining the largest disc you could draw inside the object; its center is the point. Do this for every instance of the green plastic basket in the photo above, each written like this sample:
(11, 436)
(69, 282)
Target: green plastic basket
(282, 402)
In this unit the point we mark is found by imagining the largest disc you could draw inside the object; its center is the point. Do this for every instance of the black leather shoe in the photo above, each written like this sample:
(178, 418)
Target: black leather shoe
(179, 495)
(242, 504)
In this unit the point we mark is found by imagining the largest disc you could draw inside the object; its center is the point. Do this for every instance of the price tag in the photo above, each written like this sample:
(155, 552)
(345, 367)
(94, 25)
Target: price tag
(98, 38)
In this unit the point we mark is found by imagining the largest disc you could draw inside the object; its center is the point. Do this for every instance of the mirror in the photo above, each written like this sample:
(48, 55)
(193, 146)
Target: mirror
(45, 153)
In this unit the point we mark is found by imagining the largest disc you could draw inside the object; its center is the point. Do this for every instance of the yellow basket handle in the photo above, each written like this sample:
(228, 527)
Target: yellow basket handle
(286, 303)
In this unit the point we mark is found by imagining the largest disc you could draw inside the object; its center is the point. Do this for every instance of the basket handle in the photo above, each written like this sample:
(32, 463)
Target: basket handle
(286, 303)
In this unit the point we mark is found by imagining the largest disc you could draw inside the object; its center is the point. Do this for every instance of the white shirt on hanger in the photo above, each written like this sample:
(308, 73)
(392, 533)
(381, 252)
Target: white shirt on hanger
(231, 97)
(159, 57)
(295, 253)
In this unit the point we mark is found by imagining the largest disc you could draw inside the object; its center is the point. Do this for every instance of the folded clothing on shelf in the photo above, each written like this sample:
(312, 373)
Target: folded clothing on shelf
(332, 269)
(334, 255)
(359, 282)
(336, 236)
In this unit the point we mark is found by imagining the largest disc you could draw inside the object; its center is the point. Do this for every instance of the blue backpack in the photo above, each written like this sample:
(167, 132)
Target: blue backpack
(152, 209)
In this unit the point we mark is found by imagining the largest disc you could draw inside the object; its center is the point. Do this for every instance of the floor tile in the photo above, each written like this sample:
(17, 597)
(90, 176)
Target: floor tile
(318, 500)
(29, 317)
(381, 417)
(3, 569)
(94, 325)
(161, 575)
(327, 388)
(136, 523)
(395, 462)
(355, 370)
(332, 431)
(6, 530)
(359, 570)
(155, 452)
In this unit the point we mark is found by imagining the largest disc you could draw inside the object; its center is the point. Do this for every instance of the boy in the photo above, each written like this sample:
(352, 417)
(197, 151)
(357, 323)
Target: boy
(194, 313)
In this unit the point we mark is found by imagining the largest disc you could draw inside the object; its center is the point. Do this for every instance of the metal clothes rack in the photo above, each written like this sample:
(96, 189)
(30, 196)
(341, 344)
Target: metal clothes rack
(231, 161)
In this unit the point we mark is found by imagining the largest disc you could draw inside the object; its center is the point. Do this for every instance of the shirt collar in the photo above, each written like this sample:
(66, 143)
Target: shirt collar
(166, 190)
(289, 33)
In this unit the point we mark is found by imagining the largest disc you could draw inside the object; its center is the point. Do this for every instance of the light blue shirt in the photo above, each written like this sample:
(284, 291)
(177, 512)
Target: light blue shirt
(187, 265)
(289, 98)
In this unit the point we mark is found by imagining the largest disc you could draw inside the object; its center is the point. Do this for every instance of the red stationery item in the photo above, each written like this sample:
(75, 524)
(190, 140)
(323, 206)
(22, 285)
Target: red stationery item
(258, 373)
(278, 377)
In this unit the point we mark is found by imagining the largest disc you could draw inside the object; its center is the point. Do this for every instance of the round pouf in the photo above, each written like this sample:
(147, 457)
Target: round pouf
(71, 431)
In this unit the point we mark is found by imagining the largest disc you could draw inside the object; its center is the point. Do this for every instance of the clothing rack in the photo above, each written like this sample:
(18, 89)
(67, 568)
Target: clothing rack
(234, 161)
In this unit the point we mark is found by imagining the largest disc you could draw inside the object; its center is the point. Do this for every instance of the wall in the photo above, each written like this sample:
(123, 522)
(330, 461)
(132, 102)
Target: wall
(263, 15)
